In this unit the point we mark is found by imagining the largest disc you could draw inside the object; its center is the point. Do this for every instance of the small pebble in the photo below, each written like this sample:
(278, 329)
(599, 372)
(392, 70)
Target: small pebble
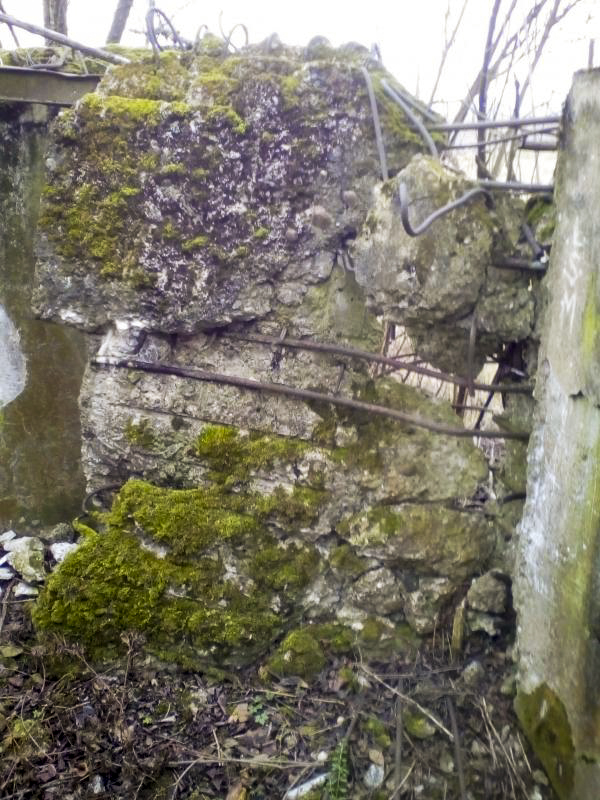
(24, 590)
(374, 776)
(6, 574)
(6, 537)
(540, 777)
(60, 550)
(446, 763)
(97, 785)
(473, 673)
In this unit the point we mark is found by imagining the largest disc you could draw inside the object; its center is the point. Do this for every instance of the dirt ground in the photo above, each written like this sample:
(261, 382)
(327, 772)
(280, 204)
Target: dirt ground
(432, 727)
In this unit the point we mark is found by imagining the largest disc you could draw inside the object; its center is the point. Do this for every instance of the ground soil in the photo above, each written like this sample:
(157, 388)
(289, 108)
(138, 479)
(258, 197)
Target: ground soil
(144, 731)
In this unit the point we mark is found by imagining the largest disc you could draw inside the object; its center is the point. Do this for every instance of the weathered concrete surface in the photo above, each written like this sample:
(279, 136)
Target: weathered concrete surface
(557, 583)
(40, 473)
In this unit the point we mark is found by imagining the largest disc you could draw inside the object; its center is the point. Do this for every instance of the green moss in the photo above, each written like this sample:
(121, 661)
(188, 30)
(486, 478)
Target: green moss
(299, 654)
(540, 213)
(111, 585)
(178, 598)
(172, 170)
(418, 725)
(169, 231)
(127, 111)
(345, 561)
(197, 243)
(377, 731)
(261, 233)
(544, 719)
(187, 521)
(25, 738)
(229, 116)
(140, 433)
(233, 457)
(280, 568)
(304, 651)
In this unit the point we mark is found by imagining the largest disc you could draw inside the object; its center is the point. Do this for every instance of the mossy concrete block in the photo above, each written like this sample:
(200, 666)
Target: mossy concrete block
(202, 188)
(215, 573)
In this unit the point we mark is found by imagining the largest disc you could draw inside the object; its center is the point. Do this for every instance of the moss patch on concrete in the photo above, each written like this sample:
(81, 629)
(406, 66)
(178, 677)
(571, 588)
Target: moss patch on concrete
(544, 719)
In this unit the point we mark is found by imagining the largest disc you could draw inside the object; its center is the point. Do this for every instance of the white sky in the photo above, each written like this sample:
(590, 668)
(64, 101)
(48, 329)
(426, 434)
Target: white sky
(410, 34)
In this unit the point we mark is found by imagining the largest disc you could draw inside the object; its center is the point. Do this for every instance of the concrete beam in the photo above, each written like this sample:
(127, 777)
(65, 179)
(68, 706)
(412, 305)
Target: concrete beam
(23, 85)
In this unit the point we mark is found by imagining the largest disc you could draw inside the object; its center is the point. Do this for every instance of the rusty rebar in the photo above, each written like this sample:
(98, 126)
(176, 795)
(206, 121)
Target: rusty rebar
(440, 212)
(365, 355)
(303, 394)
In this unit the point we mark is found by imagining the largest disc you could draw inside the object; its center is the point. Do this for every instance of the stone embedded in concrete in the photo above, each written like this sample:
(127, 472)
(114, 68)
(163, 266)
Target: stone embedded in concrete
(489, 593)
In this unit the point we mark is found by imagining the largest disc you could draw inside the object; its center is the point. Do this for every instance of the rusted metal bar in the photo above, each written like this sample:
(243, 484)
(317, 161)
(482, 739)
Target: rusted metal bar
(539, 146)
(521, 264)
(302, 394)
(365, 355)
(503, 139)
(376, 124)
(412, 117)
(417, 231)
(517, 186)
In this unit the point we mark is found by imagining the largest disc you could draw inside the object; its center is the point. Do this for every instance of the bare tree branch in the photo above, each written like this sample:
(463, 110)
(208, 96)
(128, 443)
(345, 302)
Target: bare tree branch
(483, 87)
(509, 46)
(447, 46)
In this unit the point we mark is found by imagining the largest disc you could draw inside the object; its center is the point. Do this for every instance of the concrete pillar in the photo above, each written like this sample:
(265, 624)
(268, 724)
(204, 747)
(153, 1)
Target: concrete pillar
(557, 585)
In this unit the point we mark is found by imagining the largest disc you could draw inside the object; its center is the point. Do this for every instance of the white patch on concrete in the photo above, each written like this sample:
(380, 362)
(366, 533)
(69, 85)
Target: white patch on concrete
(570, 294)
(13, 372)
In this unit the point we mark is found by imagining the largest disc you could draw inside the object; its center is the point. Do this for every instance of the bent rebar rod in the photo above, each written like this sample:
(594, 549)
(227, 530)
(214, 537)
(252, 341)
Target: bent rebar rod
(152, 33)
(412, 117)
(304, 394)
(376, 124)
(62, 39)
(411, 231)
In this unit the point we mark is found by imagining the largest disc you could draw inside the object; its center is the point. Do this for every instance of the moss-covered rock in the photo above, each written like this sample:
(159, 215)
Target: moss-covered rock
(194, 571)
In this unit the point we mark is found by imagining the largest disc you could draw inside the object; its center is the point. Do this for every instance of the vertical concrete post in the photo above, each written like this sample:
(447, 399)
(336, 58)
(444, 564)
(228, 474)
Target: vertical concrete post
(557, 585)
